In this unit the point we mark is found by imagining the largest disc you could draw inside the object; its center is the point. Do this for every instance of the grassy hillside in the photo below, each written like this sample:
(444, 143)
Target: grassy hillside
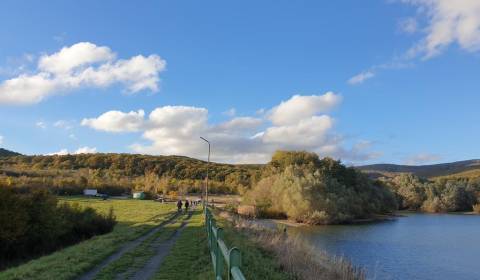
(426, 171)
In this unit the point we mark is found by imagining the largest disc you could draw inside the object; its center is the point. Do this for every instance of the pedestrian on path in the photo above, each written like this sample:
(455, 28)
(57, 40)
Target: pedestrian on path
(186, 205)
(179, 205)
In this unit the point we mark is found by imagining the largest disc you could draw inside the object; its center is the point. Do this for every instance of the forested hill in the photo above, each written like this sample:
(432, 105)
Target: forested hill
(426, 171)
(125, 170)
(7, 153)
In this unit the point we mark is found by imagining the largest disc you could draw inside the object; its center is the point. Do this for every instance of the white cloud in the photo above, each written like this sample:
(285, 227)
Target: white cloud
(62, 152)
(69, 58)
(41, 124)
(306, 133)
(448, 22)
(116, 121)
(72, 136)
(1, 139)
(300, 107)
(298, 123)
(85, 150)
(81, 65)
(81, 150)
(422, 158)
(361, 77)
(241, 124)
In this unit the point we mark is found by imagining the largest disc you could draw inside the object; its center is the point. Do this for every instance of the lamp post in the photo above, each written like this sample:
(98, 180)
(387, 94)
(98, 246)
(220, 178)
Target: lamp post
(208, 164)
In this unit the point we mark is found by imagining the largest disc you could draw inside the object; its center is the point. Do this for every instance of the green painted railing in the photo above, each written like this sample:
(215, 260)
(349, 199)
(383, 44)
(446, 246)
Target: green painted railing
(220, 253)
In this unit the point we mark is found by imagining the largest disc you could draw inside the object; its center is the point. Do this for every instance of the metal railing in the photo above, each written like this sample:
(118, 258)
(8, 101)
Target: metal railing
(220, 253)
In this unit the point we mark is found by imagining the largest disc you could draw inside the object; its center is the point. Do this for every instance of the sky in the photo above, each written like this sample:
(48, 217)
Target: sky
(381, 81)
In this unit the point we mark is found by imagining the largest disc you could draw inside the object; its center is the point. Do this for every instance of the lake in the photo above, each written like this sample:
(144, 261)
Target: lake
(417, 246)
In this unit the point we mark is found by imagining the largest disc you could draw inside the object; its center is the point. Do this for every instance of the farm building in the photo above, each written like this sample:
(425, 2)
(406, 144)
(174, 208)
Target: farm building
(92, 192)
(139, 195)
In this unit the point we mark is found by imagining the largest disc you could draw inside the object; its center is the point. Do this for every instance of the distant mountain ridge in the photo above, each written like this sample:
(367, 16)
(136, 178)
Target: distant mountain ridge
(427, 171)
(7, 153)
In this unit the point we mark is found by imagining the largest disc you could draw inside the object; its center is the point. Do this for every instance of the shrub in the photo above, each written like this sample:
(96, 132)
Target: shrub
(476, 208)
(33, 224)
(318, 192)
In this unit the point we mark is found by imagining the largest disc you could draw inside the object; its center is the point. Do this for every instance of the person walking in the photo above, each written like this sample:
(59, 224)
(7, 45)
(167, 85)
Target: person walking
(186, 205)
(179, 205)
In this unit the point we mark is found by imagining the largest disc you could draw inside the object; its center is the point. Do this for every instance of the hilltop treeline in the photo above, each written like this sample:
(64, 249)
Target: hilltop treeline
(439, 195)
(300, 186)
(119, 173)
(34, 224)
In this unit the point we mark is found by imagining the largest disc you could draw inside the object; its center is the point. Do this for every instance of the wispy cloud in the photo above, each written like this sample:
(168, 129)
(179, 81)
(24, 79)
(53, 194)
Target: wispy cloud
(361, 77)
(41, 124)
(442, 23)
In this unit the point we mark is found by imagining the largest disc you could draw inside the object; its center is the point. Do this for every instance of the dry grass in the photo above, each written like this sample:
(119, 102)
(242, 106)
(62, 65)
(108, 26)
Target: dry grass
(297, 258)
(476, 208)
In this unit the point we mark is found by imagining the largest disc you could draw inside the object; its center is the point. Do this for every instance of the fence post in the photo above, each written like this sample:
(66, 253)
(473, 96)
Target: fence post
(218, 255)
(235, 260)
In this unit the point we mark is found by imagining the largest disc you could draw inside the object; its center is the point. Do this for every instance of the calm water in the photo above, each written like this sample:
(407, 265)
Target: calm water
(419, 246)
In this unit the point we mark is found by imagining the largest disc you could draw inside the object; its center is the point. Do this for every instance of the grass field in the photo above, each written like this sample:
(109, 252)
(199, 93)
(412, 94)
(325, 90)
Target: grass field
(190, 257)
(134, 218)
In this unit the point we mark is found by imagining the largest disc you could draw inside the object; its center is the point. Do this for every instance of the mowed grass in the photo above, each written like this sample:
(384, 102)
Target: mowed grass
(136, 259)
(189, 257)
(135, 217)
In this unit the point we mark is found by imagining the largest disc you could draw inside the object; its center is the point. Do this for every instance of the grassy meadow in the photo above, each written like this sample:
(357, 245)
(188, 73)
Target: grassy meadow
(134, 218)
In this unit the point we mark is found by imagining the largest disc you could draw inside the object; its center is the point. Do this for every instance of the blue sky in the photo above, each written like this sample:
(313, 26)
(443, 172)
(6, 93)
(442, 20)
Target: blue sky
(416, 103)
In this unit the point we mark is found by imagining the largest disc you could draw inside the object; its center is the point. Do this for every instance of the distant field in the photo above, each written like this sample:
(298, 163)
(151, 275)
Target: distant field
(134, 217)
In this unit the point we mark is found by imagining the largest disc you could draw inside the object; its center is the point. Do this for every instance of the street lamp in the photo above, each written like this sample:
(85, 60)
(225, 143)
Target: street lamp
(208, 163)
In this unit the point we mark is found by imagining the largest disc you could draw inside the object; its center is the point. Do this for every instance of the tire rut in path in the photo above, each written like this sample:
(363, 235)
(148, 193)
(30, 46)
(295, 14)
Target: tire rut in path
(129, 246)
(162, 250)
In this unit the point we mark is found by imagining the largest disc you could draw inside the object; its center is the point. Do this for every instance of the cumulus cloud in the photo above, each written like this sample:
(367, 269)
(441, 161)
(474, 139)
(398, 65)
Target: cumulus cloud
(85, 150)
(81, 65)
(1, 139)
(361, 77)
(116, 121)
(299, 123)
(81, 150)
(301, 107)
(422, 158)
(448, 22)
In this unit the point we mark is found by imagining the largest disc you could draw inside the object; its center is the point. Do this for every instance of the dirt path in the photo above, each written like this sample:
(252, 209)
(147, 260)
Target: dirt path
(162, 250)
(129, 246)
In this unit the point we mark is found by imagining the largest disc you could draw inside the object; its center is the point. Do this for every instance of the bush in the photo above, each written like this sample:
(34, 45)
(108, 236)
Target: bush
(33, 224)
(476, 208)
(318, 192)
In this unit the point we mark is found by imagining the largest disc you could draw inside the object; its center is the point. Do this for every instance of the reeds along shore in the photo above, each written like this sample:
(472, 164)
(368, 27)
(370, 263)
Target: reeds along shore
(296, 257)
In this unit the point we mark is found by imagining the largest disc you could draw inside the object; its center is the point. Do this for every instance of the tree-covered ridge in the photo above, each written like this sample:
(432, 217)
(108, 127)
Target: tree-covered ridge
(118, 173)
(7, 153)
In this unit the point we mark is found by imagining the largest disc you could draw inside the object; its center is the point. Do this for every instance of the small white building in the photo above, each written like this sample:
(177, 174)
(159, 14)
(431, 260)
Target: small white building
(92, 192)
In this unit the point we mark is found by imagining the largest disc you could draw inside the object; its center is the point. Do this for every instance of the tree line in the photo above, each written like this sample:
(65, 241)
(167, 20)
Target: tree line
(437, 195)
